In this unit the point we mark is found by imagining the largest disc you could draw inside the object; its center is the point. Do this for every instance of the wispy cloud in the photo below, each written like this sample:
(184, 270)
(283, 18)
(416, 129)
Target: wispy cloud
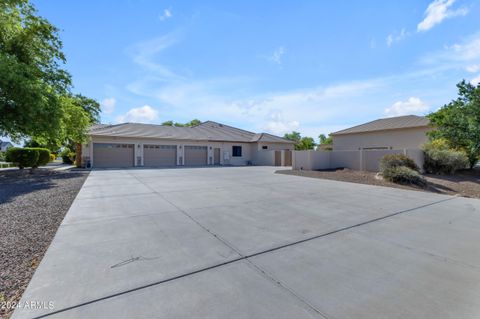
(413, 105)
(277, 55)
(476, 80)
(473, 68)
(437, 11)
(465, 54)
(396, 37)
(108, 105)
(145, 54)
(144, 114)
(165, 15)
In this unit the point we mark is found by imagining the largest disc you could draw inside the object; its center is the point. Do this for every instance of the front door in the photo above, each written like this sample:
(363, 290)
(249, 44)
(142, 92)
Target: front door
(216, 156)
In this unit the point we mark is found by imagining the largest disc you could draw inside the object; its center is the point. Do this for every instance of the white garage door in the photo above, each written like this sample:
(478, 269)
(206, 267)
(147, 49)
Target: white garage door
(159, 155)
(195, 155)
(112, 155)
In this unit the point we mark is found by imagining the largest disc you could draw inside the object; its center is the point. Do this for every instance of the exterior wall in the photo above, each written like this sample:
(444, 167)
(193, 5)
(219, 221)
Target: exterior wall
(367, 160)
(250, 151)
(273, 146)
(412, 138)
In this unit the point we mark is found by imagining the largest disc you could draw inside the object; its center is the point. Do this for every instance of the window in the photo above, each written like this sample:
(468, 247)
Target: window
(264, 147)
(236, 151)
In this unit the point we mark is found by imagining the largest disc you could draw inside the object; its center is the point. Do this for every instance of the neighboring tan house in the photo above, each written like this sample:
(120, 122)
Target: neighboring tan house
(402, 132)
(5, 146)
(209, 143)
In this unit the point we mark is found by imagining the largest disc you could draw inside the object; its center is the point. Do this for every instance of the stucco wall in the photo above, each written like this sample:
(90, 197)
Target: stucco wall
(412, 138)
(358, 160)
(273, 146)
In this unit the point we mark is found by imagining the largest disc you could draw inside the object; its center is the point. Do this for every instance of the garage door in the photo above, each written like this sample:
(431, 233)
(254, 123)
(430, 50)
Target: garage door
(195, 155)
(159, 155)
(112, 155)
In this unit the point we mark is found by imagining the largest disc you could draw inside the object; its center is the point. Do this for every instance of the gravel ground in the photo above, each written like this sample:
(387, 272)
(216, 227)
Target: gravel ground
(464, 183)
(32, 206)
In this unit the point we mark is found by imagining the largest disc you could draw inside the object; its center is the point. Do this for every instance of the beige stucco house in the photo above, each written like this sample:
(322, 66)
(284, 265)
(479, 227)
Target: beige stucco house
(402, 132)
(209, 143)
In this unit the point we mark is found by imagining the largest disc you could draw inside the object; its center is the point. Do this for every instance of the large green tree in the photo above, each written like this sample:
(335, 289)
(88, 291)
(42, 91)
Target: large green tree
(35, 97)
(31, 77)
(324, 139)
(459, 121)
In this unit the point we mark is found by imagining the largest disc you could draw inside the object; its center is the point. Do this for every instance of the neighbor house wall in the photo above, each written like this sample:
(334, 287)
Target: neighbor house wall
(412, 138)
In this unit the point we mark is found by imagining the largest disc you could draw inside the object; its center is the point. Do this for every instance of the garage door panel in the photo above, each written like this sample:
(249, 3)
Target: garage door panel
(159, 155)
(195, 155)
(113, 155)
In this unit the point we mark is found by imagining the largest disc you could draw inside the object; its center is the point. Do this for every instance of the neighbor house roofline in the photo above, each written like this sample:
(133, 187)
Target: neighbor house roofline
(387, 124)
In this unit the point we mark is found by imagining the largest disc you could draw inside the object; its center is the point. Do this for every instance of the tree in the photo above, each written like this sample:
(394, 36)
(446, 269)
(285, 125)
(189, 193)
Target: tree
(459, 122)
(167, 123)
(306, 143)
(31, 77)
(193, 122)
(301, 143)
(324, 139)
(294, 136)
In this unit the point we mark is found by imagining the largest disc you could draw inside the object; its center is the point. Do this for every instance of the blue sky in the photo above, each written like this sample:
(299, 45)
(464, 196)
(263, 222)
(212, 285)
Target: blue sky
(274, 66)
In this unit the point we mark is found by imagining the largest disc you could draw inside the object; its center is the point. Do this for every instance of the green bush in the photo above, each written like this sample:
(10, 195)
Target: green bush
(23, 157)
(2, 156)
(404, 175)
(68, 157)
(395, 160)
(43, 156)
(443, 161)
(52, 157)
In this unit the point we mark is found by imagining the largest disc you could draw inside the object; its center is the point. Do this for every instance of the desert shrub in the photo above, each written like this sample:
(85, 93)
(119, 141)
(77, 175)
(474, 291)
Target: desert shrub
(395, 160)
(43, 156)
(444, 161)
(68, 157)
(23, 157)
(52, 157)
(404, 175)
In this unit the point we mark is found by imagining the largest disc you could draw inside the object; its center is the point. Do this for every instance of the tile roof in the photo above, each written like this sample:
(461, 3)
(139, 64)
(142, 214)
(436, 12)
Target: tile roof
(391, 123)
(206, 131)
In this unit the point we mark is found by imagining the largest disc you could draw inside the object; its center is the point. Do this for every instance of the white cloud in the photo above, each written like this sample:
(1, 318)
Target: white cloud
(108, 105)
(463, 55)
(396, 37)
(473, 68)
(475, 81)
(144, 114)
(437, 11)
(281, 127)
(166, 14)
(276, 57)
(145, 54)
(411, 106)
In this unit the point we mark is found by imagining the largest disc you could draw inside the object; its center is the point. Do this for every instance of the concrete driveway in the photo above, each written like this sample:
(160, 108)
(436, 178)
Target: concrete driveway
(243, 242)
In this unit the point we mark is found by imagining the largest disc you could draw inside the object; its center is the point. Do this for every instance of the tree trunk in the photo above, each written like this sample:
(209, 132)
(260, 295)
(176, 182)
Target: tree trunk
(78, 155)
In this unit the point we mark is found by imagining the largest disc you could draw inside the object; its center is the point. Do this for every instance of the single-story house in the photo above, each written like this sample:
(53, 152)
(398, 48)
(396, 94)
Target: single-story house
(401, 132)
(5, 146)
(209, 143)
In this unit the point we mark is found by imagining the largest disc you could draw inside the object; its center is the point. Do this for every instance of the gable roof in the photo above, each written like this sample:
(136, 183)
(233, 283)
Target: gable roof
(5, 144)
(206, 131)
(391, 123)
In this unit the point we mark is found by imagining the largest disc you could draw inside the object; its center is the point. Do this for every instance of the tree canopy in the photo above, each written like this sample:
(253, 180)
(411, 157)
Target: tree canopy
(458, 122)
(35, 97)
(191, 123)
(325, 140)
(301, 143)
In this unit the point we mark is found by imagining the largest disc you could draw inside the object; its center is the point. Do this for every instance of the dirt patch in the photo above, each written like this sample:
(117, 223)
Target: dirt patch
(32, 206)
(464, 183)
